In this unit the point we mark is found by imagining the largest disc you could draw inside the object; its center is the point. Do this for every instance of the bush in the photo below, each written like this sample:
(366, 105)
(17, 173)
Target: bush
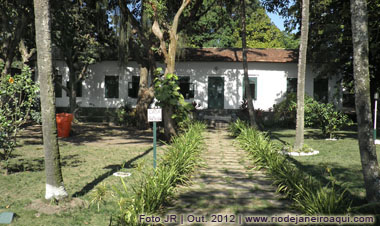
(317, 115)
(325, 117)
(235, 128)
(180, 159)
(309, 195)
(126, 116)
(17, 98)
(166, 90)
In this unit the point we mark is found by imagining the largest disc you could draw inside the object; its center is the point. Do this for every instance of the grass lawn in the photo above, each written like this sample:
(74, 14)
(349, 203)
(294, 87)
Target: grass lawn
(341, 156)
(85, 166)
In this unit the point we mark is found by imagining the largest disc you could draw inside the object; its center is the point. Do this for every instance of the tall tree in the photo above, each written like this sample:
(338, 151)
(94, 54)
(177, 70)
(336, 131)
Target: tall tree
(81, 33)
(140, 41)
(15, 31)
(300, 125)
(359, 20)
(262, 33)
(169, 54)
(247, 89)
(54, 181)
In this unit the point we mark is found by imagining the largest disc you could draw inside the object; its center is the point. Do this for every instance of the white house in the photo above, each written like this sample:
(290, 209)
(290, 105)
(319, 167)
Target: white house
(213, 77)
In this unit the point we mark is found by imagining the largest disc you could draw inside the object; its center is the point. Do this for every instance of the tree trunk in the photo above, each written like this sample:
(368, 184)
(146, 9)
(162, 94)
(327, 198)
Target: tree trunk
(359, 20)
(71, 88)
(54, 181)
(251, 110)
(145, 97)
(11, 44)
(169, 125)
(300, 127)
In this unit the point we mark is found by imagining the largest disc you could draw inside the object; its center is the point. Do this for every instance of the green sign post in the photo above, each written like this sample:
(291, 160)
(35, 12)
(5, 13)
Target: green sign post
(155, 115)
(376, 97)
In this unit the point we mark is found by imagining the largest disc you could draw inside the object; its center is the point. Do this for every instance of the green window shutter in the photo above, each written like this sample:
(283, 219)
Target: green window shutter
(57, 86)
(134, 86)
(291, 85)
(186, 88)
(321, 90)
(111, 86)
(253, 85)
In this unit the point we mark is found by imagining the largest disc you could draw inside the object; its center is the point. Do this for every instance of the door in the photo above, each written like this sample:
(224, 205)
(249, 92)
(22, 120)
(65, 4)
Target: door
(215, 92)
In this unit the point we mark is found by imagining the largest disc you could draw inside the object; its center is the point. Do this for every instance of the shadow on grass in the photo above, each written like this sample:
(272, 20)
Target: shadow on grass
(349, 177)
(113, 168)
(37, 164)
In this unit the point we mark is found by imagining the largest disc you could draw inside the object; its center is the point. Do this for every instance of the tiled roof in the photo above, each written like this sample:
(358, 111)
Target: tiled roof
(235, 55)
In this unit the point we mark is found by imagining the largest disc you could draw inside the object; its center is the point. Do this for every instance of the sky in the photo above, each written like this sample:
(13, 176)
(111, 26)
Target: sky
(277, 20)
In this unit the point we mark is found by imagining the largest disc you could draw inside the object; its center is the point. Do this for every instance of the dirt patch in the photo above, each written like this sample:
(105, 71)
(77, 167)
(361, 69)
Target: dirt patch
(42, 206)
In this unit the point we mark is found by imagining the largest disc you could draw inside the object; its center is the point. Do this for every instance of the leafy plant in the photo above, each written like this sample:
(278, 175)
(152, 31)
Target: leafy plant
(319, 115)
(126, 116)
(309, 195)
(98, 195)
(236, 127)
(154, 189)
(166, 90)
(325, 117)
(17, 98)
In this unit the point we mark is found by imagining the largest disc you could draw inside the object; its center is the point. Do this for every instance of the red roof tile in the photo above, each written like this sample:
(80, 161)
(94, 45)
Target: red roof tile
(235, 55)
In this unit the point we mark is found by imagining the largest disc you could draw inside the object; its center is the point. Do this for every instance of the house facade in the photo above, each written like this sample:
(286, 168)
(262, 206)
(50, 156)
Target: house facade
(212, 77)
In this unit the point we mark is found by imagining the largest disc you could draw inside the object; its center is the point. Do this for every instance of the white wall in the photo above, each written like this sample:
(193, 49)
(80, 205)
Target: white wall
(93, 90)
(271, 82)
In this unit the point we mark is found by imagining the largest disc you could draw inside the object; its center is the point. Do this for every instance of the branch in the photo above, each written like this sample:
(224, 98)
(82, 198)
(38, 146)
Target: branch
(177, 15)
(25, 54)
(135, 24)
(158, 33)
(82, 73)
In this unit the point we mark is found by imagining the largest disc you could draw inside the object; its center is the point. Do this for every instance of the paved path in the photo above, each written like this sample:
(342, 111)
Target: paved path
(226, 187)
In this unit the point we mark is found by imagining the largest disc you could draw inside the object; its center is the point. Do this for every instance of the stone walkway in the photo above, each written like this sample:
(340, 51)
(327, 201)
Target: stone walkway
(226, 189)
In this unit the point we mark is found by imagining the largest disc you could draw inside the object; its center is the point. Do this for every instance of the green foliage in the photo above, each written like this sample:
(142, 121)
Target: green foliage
(286, 111)
(235, 128)
(17, 97)
(221, 27)
(167, 93)
(309, 195)
(325, 117)
(98, 195)
(319, 115)
(126, 116)
(262, 33)
(180, 159)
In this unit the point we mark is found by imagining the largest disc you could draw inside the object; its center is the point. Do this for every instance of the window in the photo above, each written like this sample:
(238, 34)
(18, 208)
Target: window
(321, 90)
(133, 87)
(291, 85)
(186, 88)
(57, 85)
(252, 86)
(111, 86)
(78, 90)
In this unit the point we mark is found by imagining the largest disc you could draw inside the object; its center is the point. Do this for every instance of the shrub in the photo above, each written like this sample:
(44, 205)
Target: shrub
(179, 161)
(325, 117)
(318, 115)
(235, 128)
(17, 97)
(126, 116)
(166, 90)
(309, 195)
